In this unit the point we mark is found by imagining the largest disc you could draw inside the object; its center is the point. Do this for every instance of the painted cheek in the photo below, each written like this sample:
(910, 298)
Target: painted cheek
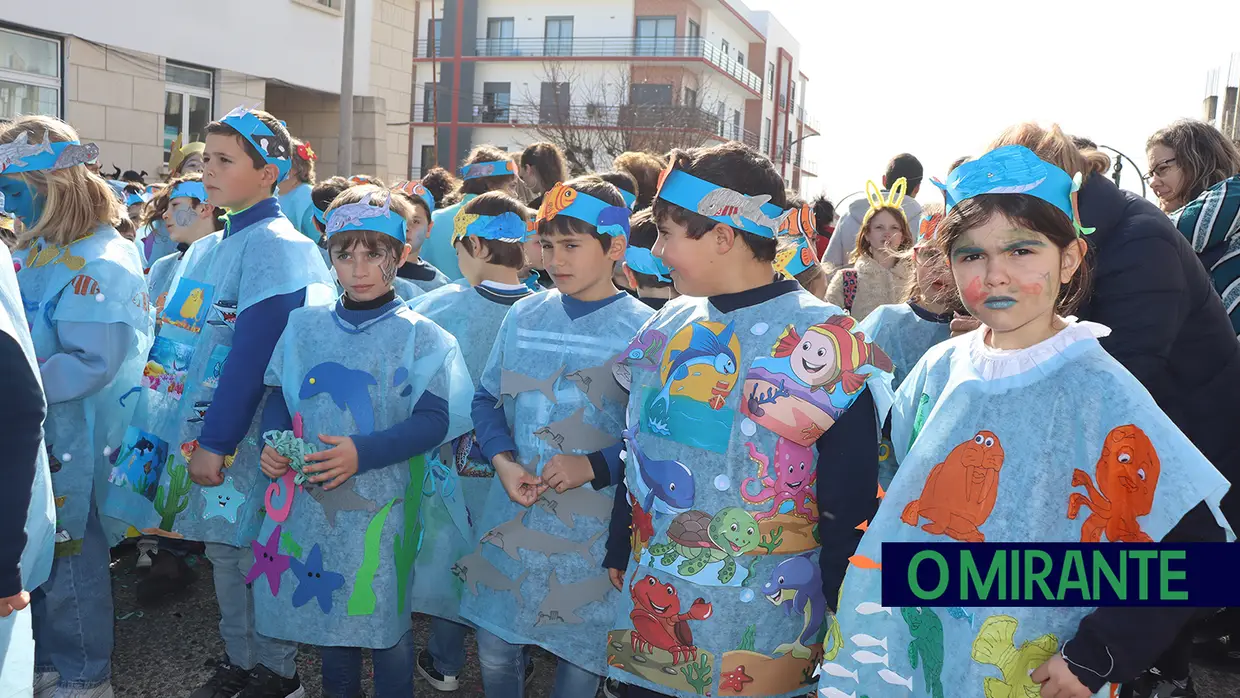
(974, 293)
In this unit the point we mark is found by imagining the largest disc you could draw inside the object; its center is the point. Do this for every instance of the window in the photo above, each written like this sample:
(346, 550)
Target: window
(187, 104)
(736, 124)
(740, 58)
(559, 36)
(499, 37)
(428, 102)
(651, 95)
(695, 30)
(554, 108)
(29, 75)
(766, 137)
(434, 32)
(428, 160)
(496, 98)
(334, 4)
(656, 36)
(694, 38)
(727, 48)
(690, 97)
(770, 81)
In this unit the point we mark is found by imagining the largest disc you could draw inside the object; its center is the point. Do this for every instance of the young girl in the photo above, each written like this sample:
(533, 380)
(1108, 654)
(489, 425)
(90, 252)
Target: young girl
(1048, 433)
(418, 271)
(374, 386)
(295, 190)
(906, 331)
(798, 256)
(186, 159)
(85, 299)
(542, 167)
(152, 233)
(193, 224)
(879, 273)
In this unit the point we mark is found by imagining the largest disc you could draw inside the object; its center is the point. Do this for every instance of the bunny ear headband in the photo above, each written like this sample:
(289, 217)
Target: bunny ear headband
(893, 201)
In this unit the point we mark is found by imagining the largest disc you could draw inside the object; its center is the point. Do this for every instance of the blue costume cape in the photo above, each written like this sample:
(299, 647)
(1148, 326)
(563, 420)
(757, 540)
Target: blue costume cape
(1056, 442)
(358, 540)
(298, 207)
(150, 485)
(438, 249)
(536, 575)
(96, 279)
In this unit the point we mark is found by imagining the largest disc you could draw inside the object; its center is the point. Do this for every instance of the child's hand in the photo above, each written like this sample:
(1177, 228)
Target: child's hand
(1058, 681)
(206, 468)
(617, 578)
(336, 464)
(567, 472)
(963, 324)
(17, 602)
(273, 464)
(522, 486)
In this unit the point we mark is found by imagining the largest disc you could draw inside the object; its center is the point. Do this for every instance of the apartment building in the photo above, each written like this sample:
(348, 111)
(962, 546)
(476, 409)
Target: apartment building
(601, 77)
(1220, 106)
(132, 76)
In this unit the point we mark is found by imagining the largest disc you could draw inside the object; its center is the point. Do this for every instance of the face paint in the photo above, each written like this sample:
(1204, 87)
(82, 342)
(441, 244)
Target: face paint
(21, 201)
(184, 217)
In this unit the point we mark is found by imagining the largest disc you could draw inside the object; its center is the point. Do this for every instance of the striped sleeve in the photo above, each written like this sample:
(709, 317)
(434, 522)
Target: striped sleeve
(1212, 218)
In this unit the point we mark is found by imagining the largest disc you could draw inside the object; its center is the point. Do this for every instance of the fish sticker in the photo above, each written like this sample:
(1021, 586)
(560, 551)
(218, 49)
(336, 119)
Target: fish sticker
(865, 563)
(348, 388)
(599, 384)
(869, 608)
(226, 314)
(960, 614)
(863, 640)
(15, 152)
(199, 411)
(867, 657)
(353, 215)
(834, 669)
(341, 498)
(832, 692)
(579, 501)
(473, 569)
(74, 155)
(512, 384)
(893, 678)
(84, 285)
(573, 434)
(706, 348)
(725, 203)
(645, 351)
(669, 481)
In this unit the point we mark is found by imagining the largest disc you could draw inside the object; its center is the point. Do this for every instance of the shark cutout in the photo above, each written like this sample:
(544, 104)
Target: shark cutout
(342, 498)
(579, 501)
(563, 600)
(599, 383)
(473, 569)
(573, 434)
(513, 536)
(513, 384)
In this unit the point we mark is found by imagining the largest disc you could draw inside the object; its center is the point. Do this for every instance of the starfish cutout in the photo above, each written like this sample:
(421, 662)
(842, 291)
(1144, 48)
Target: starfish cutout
(268, 560)
(313, 582)
(222, 501)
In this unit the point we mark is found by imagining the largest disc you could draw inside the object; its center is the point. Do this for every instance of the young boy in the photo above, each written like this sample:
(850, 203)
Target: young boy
(204, 382)
(535, 578)
(418, 271)
(489, 250)
(646, 274)
(749, 427)
(485, 169)
(350, 532)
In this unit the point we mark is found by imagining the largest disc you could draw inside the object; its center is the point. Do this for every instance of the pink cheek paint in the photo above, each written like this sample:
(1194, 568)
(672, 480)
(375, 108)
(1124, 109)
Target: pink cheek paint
(974, 294)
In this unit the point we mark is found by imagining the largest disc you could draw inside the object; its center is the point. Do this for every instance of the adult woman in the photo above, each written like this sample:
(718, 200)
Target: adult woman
(542, 167)
(880, 274)
(1195, 171)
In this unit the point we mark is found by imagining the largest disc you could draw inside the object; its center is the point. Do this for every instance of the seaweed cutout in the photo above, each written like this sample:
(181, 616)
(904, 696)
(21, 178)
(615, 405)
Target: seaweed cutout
(772, 540)
(291, 548)
(697, 674)
(768, 397)
(748, 640)
(405, 545)
(293, 448)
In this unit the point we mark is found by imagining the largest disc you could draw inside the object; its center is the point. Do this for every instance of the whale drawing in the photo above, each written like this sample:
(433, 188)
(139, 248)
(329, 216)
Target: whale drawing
(347, 387)
(669, 481)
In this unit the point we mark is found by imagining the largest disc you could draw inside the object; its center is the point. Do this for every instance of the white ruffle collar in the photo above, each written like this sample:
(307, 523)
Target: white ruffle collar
(992, 363)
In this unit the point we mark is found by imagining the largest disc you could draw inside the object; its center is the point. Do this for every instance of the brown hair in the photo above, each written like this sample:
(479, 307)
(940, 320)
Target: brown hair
(497, 203)
(158, 205)
(482, 185)
(441, 184)
(1054, 146)
(645, 169)
(593, 186)
(371, 240)
(737, 167)
(1029, 213)
(547, 159)
(325, 192)
(302, 168)
(279, 131)
(863, 246)
(76, 199)
(1206, 156)
(125, 227)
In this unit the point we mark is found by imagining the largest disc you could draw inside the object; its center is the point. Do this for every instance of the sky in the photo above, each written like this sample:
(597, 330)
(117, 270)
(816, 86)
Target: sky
(941, 79)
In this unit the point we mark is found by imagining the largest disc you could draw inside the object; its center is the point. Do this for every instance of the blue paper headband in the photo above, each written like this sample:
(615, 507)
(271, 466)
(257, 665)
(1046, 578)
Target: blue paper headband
(259, 135)
(319, 215)
(194, 190)
(630, 200)
(749, 213)
(363, 216)
(495, 168)
(643, 261)
(607, 218)
(414, 188)
(134, 200)
(21, 155)
(1014, 169)
(800, 232)
(506, 227)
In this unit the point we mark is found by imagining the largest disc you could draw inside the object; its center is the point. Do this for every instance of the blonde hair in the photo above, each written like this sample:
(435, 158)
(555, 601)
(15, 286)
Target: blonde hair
(1054, 146)
(76, 200)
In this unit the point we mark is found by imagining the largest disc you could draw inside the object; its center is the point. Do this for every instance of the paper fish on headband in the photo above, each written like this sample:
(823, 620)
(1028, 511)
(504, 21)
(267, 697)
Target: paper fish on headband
(365, 216)
(564, 200)
(20, 155)
(798, 239)
(752, 214)
(928, 228)
(1015, 169)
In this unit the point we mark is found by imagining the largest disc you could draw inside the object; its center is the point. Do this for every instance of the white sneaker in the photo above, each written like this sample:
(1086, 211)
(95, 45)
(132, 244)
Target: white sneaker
(45, 683)
(146, 551)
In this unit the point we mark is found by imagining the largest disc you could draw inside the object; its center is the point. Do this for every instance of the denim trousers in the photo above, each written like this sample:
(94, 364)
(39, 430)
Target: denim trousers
(245, 647)
(447, 646)
(342, 670)
(503, 671)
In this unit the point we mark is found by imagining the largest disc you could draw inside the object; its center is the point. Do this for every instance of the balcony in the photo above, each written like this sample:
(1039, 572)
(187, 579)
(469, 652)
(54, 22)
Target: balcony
(808, 120)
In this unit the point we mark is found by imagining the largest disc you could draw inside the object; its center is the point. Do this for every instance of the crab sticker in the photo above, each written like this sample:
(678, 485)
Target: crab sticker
(660, 648)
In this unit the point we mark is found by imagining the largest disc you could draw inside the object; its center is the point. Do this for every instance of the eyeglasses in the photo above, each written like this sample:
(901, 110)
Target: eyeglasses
(1160, 168)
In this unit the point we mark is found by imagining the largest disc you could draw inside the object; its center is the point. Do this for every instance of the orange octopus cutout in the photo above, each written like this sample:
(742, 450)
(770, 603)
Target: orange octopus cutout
(960, 492)
(1127, 475)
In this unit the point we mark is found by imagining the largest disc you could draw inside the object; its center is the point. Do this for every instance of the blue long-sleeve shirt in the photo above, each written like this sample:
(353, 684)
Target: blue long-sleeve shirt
(91, 355)
(425, 428)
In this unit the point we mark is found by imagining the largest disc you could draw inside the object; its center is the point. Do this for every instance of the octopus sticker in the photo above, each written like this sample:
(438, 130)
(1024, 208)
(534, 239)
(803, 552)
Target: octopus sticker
(1127, 475)
(811, 379)
(697, 373)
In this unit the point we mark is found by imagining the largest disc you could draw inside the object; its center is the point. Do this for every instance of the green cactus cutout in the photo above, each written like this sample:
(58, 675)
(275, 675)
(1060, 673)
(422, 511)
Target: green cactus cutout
(748, 642)
(362, 600)
(405, 547)
(290, 546)
(172, 498)
(697, 675)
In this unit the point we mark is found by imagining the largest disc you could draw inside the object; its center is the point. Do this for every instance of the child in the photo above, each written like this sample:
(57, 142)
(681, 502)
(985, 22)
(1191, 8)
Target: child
(489, 250)
(27, 514)
(982, 399)
(625, 183)
(203, 384)
(421, 205)
(389, 202)
(879, 273)
(185, 159)
(551, 371)
(485, 169)
(645, 273)
(350, 536)
(442, 185)
(797, 257)
(295, 199)
(645, 169)
(908, 330)
(824, 223)
(86, 303)
(192, 224)
(738, 469)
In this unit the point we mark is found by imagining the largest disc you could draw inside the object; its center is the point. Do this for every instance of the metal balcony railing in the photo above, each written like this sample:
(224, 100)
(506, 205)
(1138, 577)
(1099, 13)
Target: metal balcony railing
(810, 121)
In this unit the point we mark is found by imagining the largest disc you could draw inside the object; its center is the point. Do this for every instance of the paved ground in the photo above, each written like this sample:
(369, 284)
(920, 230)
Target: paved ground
(160, 652)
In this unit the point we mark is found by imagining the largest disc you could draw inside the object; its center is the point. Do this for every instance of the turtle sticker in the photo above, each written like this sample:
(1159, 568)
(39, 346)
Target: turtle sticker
(704, 549)
(697, 374)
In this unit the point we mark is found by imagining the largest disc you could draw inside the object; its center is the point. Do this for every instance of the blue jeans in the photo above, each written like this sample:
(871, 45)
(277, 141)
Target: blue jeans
(503, 671)
(342, 670)
(245, 647)
(447, 646)
(72, 614)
